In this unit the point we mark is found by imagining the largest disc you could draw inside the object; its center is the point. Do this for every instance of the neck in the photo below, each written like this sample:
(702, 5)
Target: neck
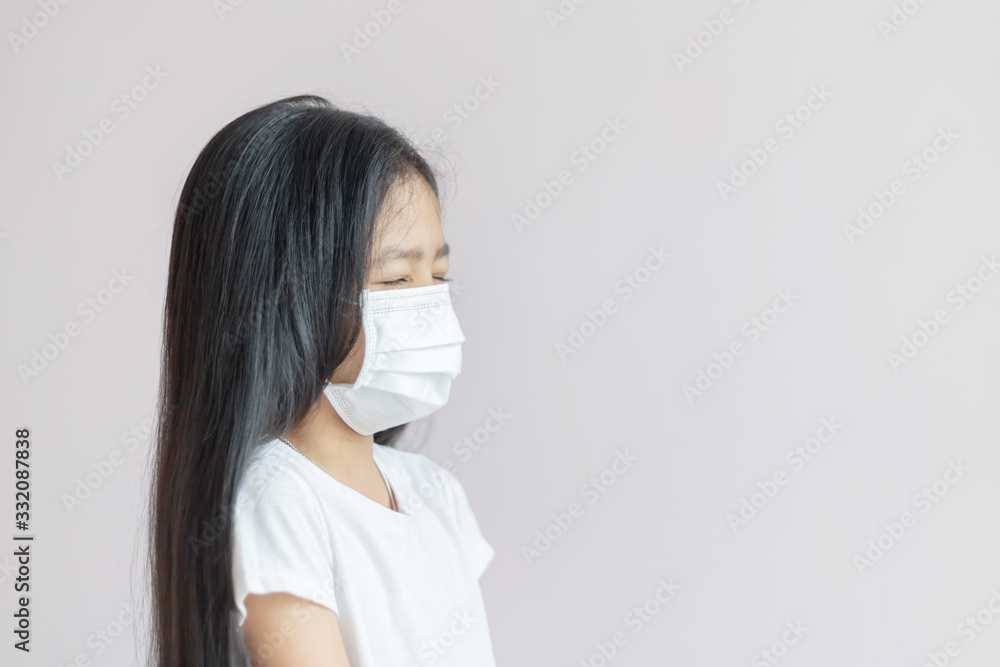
(327, 439)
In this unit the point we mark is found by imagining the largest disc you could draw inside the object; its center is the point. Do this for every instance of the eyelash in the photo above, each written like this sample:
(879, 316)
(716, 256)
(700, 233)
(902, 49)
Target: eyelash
(400, 281)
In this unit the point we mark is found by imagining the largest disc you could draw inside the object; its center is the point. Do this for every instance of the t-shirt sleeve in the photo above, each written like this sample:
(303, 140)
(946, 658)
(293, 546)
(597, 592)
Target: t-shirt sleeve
(281, 544)
(478, 552)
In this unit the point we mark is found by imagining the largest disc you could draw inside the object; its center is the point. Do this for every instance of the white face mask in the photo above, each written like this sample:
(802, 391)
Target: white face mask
(413, 350)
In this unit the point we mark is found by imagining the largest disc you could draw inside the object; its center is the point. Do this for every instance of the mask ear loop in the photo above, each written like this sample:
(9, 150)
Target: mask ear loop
(371, 342)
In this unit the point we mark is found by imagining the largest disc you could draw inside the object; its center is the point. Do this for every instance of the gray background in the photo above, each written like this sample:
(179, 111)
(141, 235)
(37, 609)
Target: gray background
(521, 292)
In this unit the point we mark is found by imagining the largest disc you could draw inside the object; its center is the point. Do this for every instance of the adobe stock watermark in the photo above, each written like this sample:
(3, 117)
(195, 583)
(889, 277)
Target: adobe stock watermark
(924, 500)
(753, 329)
(435, 647)
(581, 158)
(301, 613)
(898, 17)
(223, 7)
(427, 317)
(152, 266)
(629, 284)
(561, 12)
(249, 322)
(204, 193)
(470, 443)
(796, 458)
(417, 496)
(914, 167)
(461, 111)
(137, 434)
(88, 309)
(122, 107)
(367, 32)
(255, 479)
(106, 636)
(32, 24)
(713, 28)
(787, 125)
(636, 619)
(778, 649)
(927, 330)
(592, 490)
(968, 629)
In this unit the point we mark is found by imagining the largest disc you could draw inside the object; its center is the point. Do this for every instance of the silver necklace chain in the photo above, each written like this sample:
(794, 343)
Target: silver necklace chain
(392, 496)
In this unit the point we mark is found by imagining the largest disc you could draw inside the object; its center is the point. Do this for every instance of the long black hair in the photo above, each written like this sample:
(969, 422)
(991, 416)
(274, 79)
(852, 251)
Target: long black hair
(272, 237)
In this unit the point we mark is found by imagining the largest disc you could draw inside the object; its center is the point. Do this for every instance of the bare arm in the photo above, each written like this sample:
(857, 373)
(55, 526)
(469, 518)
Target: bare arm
(284, 630)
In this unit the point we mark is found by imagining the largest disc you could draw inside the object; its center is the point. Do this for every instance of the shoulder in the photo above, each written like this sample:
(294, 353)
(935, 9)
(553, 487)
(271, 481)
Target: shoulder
(273, 478)
(276, 510)
(280, 540)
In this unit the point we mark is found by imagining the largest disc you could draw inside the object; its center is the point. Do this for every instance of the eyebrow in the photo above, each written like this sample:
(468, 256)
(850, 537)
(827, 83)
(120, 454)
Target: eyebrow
(414, 254)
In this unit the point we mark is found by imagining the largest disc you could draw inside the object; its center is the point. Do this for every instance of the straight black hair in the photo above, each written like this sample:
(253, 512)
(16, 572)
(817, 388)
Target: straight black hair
(271, 243)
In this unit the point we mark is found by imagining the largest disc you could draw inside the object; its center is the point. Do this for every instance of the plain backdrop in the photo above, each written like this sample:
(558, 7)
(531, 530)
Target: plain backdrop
(740, 140)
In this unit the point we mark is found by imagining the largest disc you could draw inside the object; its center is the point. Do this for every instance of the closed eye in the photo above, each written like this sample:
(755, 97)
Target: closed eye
(400, 281)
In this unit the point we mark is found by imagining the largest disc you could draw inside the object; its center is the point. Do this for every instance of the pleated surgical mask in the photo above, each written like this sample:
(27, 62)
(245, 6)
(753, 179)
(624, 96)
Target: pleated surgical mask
(413, 351)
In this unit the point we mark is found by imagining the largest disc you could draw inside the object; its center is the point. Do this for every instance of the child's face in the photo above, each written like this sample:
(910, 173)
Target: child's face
(410, 251)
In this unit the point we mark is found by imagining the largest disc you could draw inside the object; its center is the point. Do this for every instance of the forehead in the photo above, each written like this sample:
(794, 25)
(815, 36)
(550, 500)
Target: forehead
(409, 219)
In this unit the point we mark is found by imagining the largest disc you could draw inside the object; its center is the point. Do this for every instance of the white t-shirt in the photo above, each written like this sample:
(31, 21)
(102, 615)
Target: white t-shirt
(404, 584)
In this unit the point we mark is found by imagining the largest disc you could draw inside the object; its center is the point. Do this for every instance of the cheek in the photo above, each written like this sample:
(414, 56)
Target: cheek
(347, 372)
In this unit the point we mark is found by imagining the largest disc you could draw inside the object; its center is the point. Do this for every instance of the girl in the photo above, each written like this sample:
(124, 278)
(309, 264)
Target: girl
(308, 319)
